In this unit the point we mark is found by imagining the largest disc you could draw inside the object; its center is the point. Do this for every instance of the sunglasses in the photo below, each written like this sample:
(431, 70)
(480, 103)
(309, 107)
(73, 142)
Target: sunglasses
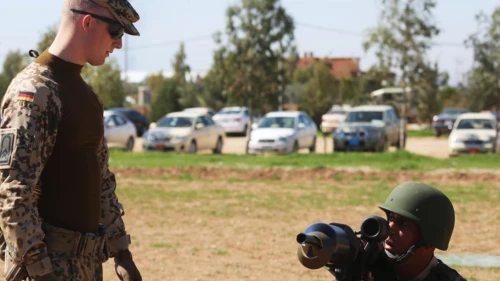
(115, 29)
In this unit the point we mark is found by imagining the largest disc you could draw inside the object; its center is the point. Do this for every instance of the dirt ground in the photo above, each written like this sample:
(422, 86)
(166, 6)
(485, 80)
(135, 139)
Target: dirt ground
(428, 146)
(231, 238)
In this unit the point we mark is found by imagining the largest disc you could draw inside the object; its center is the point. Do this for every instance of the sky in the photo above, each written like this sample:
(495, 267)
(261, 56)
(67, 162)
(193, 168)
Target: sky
(327, 28)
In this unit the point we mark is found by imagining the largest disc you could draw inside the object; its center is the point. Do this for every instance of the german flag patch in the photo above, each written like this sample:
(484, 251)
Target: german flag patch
(26, 96)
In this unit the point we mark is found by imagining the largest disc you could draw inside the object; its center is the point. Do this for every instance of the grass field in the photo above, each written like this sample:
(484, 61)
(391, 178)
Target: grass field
(231, 217)
(399, 160)
(420, 133)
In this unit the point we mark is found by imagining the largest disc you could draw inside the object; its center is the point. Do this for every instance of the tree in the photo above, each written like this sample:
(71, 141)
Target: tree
(154, 82)
(260, 33)
(319, 93)
(402, 38)
(47, 38)
(181, 69)
(483, 81)
(167, 99)
(106, 82)
(14, 62)
(431, 80)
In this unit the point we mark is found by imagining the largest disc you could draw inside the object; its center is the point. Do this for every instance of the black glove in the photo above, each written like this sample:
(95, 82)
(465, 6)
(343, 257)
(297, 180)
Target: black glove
(125, 267)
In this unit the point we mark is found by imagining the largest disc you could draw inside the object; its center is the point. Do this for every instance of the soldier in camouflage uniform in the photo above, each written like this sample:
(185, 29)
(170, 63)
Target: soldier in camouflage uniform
(421, 219)
(60, 216)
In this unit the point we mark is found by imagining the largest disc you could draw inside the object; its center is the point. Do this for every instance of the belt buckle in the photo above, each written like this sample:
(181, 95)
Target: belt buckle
(83, 242)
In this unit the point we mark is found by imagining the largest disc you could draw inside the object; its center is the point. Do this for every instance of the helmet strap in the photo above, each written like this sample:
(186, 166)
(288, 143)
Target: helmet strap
(399, 259)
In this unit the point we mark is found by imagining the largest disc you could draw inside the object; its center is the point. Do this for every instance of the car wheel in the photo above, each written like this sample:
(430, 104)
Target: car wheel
(384, 146)
(295, 148)
(218, 146)
(437, 133)
(192, 147)
(312, 149)
(129, 146)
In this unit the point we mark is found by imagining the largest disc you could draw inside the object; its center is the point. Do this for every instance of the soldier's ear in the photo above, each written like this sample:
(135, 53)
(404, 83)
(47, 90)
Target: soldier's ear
(86, 22)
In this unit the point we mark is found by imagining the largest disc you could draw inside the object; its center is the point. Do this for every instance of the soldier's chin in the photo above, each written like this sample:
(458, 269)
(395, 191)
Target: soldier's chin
(97, 62)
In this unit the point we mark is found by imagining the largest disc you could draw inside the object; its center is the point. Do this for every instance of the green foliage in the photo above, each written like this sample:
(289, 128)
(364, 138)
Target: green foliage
(394, 161)
(401, 40)
(319, 93)
(483, 85)
(259, 34)
(167, 99)
(47, 38)
(180, 67)
(154, 82)
(106, 82)
(431, 80)
(14, 62)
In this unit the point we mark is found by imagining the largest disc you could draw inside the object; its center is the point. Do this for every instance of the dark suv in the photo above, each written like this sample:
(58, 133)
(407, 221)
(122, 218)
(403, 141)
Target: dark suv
(140, 121)
(443, 123)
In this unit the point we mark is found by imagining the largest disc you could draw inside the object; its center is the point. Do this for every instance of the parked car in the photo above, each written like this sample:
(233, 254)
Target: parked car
(185, 132)
(473, 133)
(203, 110)
(283, 132)
(331, 120)
(369, 127)
(234, 119)
(118, 130)
(443, 122)
(140, 121)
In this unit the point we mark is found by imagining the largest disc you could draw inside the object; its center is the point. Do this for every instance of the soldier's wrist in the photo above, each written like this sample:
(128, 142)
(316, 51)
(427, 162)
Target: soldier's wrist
(117, 244)
(123, 255)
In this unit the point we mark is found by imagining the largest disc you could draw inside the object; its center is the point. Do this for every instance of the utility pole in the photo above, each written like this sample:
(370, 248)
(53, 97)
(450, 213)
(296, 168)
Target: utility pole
(280, 85)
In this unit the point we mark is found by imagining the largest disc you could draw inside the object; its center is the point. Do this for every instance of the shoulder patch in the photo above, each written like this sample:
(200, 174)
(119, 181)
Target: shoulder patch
(7, 143)
(26, 96)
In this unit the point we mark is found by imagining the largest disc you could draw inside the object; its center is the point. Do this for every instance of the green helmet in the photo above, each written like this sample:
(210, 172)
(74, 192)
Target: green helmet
(428, 207)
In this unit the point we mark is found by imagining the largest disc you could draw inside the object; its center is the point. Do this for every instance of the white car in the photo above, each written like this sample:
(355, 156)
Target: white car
(473, 133)
(233, 119)
(283, 132)
(118, 130)
(331, 120)
(184, 132)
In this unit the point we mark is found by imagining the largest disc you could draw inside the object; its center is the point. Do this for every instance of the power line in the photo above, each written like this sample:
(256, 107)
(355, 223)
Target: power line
(335, 30)
(192, 39)
(360, 34)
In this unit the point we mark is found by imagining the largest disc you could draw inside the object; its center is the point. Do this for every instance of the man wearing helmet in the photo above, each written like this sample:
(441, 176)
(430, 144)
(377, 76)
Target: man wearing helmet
(421, 219)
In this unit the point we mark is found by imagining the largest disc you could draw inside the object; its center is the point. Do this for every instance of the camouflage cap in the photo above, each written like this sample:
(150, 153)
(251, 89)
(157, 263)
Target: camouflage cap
(123, 12)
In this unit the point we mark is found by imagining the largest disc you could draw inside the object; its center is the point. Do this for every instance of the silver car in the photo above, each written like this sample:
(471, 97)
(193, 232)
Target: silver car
(118, 130)
(371, 127)
(184, 132)
(283, 132)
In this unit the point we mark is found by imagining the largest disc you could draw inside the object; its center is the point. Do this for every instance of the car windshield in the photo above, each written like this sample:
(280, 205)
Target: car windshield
(176, 122)
(278, 122)
(364, 116)
(230, 111)
(477, 124)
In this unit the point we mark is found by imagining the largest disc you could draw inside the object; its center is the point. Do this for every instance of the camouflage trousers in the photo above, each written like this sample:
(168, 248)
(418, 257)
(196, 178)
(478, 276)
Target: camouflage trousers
(72, 268)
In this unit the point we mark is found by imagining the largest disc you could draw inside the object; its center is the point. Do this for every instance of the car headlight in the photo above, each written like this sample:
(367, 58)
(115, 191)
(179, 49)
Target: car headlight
(154, 136)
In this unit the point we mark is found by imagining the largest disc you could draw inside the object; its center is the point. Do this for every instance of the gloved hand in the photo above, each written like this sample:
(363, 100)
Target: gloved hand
(125, 267)
(47, 277)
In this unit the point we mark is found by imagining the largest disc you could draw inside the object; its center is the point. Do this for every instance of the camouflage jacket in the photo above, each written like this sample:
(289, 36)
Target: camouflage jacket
(31, 111)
